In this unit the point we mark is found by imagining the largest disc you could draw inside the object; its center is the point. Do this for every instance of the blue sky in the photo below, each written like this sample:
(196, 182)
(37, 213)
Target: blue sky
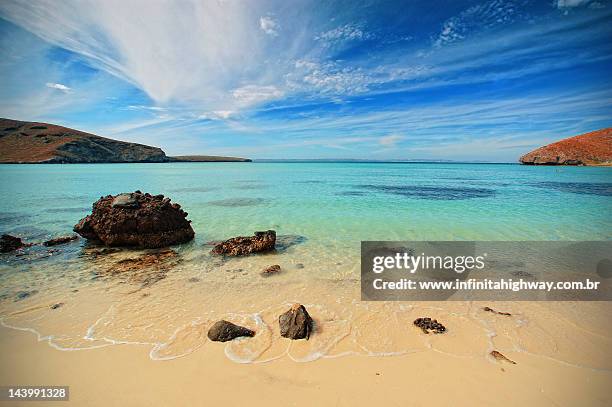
(465, 80)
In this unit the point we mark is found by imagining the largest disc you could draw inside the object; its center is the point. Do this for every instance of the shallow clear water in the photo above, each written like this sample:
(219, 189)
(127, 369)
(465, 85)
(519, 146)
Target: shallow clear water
(330, 203)
(321, 212)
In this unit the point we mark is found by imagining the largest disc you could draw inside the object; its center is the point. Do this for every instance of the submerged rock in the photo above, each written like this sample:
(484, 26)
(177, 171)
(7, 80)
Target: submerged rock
(21, 295)
(268, 271)
(296, 323)
(60, 240)
(244, 245)
(146, 269)
(223, 331)
(9, 243)
(430, 325)
(136, 219)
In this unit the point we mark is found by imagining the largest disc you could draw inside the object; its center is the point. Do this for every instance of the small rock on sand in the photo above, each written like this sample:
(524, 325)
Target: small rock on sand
(296, 323)
(223, 331)
(487, 309)
(498, 356)
(268, 271)
(430, 325)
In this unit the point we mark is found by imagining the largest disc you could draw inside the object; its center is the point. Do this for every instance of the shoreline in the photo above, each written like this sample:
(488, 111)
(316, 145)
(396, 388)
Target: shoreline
(208, 377)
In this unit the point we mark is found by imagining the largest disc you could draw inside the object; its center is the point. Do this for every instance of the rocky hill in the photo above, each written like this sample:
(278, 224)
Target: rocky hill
(27, 142)
(38, 143)
(594, 148)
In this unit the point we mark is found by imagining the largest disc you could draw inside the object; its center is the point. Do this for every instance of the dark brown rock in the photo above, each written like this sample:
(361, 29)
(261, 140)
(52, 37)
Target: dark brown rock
(296, 323)
(9, 243)
(135, 219)
(223, 331)
(268, 271)
(60, 240)
(430, 325)
(244, 245)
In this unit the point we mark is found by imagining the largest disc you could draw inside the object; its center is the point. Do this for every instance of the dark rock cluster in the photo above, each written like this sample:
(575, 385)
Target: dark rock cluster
(430, 325)
(136, 219)
(245, 245)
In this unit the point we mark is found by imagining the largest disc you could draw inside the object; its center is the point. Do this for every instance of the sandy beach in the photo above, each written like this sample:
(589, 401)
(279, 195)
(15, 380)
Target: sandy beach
(111, 376)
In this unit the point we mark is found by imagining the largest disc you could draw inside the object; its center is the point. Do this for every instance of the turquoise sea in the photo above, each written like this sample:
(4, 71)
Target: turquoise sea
(76, 297)
(335, 204)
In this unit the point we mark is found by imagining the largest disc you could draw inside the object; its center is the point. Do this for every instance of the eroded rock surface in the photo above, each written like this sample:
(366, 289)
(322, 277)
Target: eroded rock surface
(136, 219)
(245, 245)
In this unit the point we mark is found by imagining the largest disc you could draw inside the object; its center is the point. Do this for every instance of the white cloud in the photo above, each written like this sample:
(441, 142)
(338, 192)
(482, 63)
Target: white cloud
(252, 94)
(269, 26)
(151, 108)
(58, 86)
(572, 3)
(347, 32)
(390, 140)
(217, 115)
(487, 15)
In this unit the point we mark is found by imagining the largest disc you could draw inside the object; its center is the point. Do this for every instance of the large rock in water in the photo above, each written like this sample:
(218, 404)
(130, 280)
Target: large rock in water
(136, 219)
(593, 148)
(295, 323)
(9, 243)
(223, 331)
(244, 245)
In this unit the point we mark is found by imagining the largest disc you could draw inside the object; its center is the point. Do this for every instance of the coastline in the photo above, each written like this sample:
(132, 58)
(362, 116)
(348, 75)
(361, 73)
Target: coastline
(111, 375)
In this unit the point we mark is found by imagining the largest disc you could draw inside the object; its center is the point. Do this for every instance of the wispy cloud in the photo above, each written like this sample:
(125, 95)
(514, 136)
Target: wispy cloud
(58, 86)
(370, 77)
(269, 25)
(390, 140)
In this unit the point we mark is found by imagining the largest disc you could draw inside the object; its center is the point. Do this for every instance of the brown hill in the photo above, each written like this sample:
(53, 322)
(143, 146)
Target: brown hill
(32, 142)
(27, 142)
(594, 148)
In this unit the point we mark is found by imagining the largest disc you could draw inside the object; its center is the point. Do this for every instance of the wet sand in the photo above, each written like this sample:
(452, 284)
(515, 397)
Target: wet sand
(125, 375)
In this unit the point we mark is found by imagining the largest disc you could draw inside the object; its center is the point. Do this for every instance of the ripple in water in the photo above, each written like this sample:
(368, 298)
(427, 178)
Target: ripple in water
(238, 202)
(431, 192)
(583, 188)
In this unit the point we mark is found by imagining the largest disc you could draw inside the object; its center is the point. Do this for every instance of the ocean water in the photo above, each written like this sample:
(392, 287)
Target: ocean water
(321, 212)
